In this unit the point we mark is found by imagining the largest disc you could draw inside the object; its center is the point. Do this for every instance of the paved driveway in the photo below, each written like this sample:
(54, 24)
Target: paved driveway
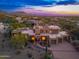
(64, 51)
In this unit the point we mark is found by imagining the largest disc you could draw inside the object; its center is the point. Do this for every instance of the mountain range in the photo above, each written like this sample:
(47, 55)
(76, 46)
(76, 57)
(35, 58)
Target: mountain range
(40, 13)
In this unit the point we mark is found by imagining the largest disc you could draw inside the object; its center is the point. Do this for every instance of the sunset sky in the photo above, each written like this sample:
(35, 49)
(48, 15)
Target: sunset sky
(57, 6)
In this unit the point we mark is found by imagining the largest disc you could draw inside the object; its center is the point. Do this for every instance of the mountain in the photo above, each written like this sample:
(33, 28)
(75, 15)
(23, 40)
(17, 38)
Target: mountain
(39, 13)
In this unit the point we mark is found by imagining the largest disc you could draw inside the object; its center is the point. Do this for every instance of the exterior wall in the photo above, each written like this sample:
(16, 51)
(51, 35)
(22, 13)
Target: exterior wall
(58, 40)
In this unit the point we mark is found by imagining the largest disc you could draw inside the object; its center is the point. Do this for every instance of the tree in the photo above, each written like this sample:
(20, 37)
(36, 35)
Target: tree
(28, 24)
(67, 25)
(17, 25)
(46, 20)
(19, 40)
(7, 33)
(71, 27)
(8, 20)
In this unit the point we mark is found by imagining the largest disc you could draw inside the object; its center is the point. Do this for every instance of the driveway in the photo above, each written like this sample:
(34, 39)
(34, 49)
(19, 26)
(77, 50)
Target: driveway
(64, 51)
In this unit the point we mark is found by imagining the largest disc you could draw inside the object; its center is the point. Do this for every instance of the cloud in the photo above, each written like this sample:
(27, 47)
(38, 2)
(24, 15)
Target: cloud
(16, 4)
(70, 9)
(61, 9)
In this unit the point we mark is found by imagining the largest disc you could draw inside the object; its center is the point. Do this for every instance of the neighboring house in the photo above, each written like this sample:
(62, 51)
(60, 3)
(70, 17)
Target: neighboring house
(3, 27)
(19, 19)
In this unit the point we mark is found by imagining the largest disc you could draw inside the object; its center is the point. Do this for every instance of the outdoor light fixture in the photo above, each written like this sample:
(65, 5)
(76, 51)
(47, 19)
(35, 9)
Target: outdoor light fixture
(33, 38)
(43, 38)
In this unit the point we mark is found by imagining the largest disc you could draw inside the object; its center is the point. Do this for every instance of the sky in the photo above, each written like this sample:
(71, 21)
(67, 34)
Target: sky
(58, 6)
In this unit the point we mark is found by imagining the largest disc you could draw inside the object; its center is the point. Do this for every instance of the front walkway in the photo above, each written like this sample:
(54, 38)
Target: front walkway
(64, 51)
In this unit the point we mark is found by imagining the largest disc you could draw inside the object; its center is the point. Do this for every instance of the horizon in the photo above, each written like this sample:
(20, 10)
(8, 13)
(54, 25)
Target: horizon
(65, 7)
